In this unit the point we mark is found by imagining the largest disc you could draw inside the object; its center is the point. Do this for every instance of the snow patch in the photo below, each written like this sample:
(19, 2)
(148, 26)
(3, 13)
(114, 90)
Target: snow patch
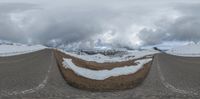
(104, 74)
(99, 58)
(190, 50)
(11, 50)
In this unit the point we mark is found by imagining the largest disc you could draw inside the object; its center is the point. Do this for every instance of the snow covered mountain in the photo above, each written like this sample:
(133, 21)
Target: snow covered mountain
(4, 42)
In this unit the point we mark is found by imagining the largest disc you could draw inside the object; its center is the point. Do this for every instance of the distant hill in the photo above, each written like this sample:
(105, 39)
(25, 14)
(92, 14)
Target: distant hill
(5, 42)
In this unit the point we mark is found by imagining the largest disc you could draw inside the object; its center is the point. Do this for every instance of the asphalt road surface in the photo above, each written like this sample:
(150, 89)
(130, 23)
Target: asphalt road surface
(36, 76)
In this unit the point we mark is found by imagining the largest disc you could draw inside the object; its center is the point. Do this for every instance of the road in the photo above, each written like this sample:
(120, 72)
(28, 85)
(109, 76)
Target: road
(36, 76)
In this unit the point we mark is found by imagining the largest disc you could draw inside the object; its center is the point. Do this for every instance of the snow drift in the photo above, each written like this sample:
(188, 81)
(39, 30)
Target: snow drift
(190, 50)
(104, 74)
(11, 50)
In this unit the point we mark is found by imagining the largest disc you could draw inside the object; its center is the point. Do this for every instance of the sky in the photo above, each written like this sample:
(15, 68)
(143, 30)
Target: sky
(91, 23)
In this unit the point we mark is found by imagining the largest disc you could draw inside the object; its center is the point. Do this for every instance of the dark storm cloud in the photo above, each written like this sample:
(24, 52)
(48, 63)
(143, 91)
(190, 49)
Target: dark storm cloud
(71, 21)
(116, 23)
(184, 28)
(75, 24)
(8, 30)
(71, 25)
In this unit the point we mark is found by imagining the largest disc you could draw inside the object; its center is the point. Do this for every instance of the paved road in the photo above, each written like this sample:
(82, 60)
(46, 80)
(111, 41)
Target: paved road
(36, 76)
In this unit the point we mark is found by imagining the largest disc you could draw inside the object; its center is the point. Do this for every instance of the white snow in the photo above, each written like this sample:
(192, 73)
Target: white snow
(103, 74)
(99, 58)
(11, 50)
(190, 50)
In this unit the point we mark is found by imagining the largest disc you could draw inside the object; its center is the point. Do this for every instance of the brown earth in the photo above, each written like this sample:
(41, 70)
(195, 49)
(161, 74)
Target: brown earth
(94, 65)
(113, 83)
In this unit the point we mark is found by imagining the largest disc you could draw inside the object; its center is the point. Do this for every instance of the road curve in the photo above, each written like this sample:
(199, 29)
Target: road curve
(36, 76)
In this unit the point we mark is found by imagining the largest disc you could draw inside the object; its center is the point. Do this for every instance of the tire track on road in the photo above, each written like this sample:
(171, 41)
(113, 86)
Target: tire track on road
(32, 90)
(170, 86)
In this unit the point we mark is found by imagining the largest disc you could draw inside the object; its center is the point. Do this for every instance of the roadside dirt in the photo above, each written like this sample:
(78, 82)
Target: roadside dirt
(113, 83)
(94, 65)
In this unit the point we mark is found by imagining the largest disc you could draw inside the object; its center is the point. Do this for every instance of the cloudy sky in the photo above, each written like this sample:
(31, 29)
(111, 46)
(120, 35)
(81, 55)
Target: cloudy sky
(88, 23)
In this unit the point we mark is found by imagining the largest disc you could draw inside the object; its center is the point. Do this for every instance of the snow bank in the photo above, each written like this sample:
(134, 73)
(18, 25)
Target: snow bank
(103, 74)
(191, 50)
(99, 58)
(10, 50)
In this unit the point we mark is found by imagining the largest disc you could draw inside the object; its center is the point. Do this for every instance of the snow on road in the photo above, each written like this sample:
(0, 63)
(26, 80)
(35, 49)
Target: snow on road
(10, 50)
(103, 74)
(190, 50)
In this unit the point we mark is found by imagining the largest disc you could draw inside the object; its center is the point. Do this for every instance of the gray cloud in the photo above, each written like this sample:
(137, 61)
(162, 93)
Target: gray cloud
(75, 24)
(8, 29)
(80, 23)
(15, 7)
(184, 28)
